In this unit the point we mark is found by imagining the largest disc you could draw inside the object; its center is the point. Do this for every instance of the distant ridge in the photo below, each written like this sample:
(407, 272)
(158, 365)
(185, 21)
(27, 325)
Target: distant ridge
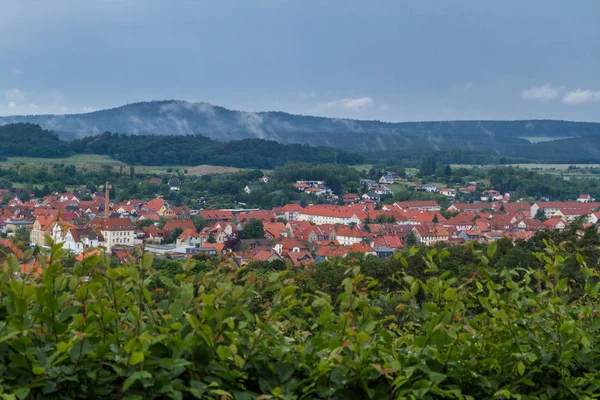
(174, 117)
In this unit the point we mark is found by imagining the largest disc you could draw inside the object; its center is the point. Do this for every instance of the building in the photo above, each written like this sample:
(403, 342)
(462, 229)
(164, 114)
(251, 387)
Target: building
(322, 215)
(115, 231)
(425, 205)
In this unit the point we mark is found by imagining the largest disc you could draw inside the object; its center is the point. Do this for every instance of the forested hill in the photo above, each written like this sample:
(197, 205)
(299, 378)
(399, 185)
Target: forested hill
(29, 140)
(183, 118)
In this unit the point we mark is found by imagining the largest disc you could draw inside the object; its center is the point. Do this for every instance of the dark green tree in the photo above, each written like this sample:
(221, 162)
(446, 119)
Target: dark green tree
(253, 229)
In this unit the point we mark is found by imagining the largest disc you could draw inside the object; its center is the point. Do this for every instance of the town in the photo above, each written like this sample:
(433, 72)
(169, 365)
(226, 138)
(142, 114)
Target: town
(300, 232)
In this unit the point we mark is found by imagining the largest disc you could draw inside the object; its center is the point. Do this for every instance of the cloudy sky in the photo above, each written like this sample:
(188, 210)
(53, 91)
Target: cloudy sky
(388, 60)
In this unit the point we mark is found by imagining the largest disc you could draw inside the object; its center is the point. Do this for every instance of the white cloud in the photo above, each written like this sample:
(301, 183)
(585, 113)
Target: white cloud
(467, 86)
(580, 96)
(16, 71)
(351, 104)
(19, 102)
(14, 95)
(541, 93)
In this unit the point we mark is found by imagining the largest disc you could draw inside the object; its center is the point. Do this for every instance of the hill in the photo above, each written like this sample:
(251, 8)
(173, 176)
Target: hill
(456, 141)
(29, 140)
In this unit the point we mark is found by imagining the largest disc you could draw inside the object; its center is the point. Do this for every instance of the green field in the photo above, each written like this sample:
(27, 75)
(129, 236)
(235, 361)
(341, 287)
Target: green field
(78, 160)
(556, 167)
(97, 161)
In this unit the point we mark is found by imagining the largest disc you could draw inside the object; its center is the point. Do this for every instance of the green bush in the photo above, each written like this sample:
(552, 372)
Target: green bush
(92, 331)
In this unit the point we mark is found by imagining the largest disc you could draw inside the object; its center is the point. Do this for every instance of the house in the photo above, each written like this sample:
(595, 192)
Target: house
(585, 198)
(40, 228)
(492, 195)
(300, 258)
(115, 231)
(555, 223)
(468, 189)
(347, 235)
(470, 207)
(448, 192)
(426, 205)
(266, 256)
(153, 233)
(174, 184)
(213, 249)
(190, 237)
(430, 234)
(429, 188)
(252, 188)
(275, 230)
(289, 245)
(172, 224)
(387, 179)
(264, 179)
(289, 211)
(79, 240)
(351, 198)
(324, 214)
(158, 205)
(573, 209)
(216, 215)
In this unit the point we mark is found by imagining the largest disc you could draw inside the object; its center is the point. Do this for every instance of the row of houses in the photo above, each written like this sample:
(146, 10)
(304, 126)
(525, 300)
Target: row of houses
(292, 233)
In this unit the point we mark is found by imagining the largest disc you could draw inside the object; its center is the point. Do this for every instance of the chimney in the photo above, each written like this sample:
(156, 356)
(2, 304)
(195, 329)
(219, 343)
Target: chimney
(106, 199)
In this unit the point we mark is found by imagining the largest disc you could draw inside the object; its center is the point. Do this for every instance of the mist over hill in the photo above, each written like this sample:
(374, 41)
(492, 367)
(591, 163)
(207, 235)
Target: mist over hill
(172, 117)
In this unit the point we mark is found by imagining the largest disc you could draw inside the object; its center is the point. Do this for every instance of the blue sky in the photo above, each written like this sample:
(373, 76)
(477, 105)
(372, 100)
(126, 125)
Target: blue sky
(387, 60)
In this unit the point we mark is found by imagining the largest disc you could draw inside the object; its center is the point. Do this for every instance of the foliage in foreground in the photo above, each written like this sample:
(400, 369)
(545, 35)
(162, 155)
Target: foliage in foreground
(93, 331)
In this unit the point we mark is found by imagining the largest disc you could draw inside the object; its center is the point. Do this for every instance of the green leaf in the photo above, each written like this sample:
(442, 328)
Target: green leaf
(136, 358)
(491, 249)
(135, 377)
(38, 370)
(567, 327)
(21, 393)
(223, 352)
(521, 368)
(176, 309)
(449, 293)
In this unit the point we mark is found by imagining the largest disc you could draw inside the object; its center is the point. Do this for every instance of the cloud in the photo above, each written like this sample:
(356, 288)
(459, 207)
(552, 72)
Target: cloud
(19, 102)
(580, 96)
(467, 86)
(351, 104)
(15, 95)
(16, 71)
(541, 93)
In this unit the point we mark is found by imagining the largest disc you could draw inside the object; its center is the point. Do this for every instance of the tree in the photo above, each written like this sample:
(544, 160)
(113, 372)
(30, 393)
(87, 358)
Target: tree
(539, 215)
(176, 233)
(22, 235)
(435, 219)
(502, 209)
(411, 239)
(199, 222)
(253, 229)
(211, 238)
(448, 171)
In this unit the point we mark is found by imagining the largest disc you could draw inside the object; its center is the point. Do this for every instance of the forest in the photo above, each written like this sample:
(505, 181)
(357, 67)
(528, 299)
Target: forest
(471, 322)
(29, 140)
(407, 149)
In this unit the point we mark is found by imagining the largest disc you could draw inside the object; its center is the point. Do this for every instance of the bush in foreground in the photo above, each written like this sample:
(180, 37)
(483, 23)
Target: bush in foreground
(93, 331)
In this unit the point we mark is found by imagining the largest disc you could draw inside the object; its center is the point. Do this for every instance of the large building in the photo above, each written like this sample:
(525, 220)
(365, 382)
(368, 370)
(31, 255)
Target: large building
(115, 231)
(323, 215)
(569, 209)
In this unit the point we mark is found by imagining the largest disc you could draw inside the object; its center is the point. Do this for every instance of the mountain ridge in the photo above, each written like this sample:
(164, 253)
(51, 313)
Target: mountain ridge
(178, 117)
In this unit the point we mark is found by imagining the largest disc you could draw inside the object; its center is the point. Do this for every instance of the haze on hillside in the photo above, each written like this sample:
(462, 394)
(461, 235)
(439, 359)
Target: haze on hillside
(389, 61)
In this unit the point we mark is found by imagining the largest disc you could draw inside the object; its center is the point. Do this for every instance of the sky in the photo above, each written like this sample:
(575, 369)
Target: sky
(388, 60)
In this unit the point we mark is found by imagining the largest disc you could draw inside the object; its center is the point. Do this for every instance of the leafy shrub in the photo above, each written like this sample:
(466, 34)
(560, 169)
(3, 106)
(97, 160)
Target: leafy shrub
(92, 331)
